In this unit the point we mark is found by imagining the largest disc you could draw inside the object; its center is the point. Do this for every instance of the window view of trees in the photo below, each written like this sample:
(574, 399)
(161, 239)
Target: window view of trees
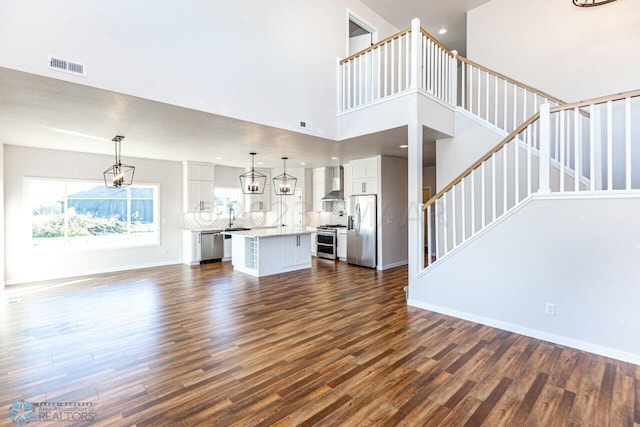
(81, 212)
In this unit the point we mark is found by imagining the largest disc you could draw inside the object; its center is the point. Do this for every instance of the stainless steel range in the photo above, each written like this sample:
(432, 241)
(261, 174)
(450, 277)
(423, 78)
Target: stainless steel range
(327, 241)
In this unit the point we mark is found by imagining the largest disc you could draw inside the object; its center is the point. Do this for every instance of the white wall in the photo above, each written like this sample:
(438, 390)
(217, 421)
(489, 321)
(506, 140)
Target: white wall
(429, 178)
(227, 176)
(2, 239)
(453, 155)
(26, 263)
(393, 216)
(580, 254)
(249, 59)
(569, 52)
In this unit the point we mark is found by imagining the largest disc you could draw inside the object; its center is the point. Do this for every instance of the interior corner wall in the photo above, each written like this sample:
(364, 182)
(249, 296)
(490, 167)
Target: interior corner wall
(569, 52)
(393, 245)
(24, 262)
(2, 239)
(453, 155)
(211, 56)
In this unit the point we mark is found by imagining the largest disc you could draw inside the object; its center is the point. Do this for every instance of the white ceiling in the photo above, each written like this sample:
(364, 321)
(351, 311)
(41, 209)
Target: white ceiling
(43, 112)
(433, 15)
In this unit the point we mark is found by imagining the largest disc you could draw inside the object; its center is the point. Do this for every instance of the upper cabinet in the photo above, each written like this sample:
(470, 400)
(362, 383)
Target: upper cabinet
(260, 202)
(364, 176)
(198, 186)
(348, 178)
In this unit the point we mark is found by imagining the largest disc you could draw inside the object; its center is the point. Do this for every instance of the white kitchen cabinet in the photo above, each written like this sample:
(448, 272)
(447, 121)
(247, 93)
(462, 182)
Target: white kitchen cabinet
(200, 195)
(191, 250)
(259, 202)
(318, 189)
(348, 179)
(364, 176)
(341, 249)
(198, 186)
(295, 250)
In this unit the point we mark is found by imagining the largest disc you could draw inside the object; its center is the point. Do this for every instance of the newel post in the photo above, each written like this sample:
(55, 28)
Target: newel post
(416, 62)
(545, 148)
(453, 76)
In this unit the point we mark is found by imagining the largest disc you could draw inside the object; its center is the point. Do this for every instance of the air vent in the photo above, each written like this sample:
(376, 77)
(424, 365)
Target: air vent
(67, 66)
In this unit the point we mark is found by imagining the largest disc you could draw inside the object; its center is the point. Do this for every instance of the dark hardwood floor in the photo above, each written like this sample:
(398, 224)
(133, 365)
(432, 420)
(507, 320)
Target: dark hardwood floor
(335, 345)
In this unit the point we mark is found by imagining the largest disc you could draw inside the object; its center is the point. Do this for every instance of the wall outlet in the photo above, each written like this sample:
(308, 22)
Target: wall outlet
(550, 309)
(305, 124)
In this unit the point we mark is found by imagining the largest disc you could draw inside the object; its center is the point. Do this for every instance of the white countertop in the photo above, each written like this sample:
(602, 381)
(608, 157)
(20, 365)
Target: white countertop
(269, 232)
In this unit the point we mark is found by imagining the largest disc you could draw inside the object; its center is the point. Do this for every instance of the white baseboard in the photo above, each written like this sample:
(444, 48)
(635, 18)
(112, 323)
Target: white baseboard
(533, 333)
(90, 272)
(393, 265)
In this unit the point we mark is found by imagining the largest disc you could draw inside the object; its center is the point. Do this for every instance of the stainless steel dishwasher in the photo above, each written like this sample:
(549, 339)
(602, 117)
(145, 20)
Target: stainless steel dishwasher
(211, 246)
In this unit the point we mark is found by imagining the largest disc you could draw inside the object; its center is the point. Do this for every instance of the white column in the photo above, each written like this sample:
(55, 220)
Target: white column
(414, 165)
(416, 61)
(545, 148)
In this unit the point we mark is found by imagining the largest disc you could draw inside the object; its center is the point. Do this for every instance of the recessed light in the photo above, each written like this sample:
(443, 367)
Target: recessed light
(442, 31)
(404, 146)
(334, 158)
(302, 163)
(260, 163)
(218, 158)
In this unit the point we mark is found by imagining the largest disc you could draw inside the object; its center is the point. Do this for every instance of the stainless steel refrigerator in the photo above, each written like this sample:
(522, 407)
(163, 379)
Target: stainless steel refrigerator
(362, 231)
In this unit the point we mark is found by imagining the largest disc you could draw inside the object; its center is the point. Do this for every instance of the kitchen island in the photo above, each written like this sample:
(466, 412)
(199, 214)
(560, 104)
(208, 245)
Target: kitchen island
(262, 252)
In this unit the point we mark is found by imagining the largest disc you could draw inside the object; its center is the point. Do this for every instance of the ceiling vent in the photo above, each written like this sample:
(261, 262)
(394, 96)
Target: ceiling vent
(67, 66)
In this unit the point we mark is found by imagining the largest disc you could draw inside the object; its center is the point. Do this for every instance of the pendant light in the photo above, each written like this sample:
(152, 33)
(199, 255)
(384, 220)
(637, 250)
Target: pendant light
(118, 174)
(252, 182)
(284, 184)
(591, 3)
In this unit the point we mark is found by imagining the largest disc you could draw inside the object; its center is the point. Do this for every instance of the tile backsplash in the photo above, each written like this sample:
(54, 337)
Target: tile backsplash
(207, 220)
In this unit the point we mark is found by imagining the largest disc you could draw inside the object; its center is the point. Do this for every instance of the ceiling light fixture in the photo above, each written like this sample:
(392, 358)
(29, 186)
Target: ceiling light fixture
(403, 146)
(252, 181)
(442, 31)
(284, 184)
(118, 174)
(591, 3)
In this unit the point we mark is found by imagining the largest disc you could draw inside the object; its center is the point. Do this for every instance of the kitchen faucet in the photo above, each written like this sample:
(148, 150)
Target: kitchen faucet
(232, 216)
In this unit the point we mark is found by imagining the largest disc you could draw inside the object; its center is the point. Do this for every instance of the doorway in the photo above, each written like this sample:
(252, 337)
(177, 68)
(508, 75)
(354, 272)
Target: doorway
(361, 35)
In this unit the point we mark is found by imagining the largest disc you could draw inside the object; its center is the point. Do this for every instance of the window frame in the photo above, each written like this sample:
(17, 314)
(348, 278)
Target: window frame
(86, 243)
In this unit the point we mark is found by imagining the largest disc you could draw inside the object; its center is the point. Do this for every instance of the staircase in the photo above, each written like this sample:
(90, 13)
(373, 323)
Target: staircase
(558, 167)
(565, 148)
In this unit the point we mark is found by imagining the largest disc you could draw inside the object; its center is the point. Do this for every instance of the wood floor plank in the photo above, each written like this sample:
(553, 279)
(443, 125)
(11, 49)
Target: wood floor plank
(334, 345)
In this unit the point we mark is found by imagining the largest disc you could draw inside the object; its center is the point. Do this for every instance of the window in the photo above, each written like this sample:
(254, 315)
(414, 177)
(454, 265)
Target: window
(225, 199)
(88, 213)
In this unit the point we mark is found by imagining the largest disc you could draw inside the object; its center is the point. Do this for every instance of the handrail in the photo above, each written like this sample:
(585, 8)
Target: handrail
(375, 46)
(599, 100)
(437, 42)
(482, 159)
(510, 80)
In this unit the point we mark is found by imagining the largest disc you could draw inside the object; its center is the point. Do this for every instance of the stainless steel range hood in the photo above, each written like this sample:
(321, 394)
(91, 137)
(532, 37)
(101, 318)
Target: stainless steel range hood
(334, 184)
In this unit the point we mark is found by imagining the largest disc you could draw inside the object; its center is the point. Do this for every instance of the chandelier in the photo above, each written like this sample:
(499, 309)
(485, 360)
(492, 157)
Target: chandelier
(284, 184)
(118, 174)
(591, 3)
(253, 182)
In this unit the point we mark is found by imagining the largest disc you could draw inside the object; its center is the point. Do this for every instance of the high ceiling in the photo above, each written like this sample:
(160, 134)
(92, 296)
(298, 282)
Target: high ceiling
(433, 15)
(43, 112)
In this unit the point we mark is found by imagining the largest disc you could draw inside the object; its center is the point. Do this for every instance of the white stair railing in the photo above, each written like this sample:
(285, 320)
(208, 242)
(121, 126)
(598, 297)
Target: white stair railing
(590, 146)
(498, 99)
